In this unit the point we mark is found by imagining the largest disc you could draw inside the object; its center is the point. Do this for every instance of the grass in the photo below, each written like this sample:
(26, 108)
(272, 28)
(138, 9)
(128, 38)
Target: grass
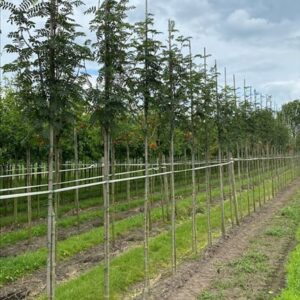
(87, 199)
(292, 290)
(275, 231)
(254, 275)
(15, 267)
(127, 269)
(252, 262)
(12, 237)
(66, 207)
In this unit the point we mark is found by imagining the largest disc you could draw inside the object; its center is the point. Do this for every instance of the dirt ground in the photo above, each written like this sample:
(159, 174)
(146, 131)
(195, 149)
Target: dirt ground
(194, 279)
(247, 264)
(31, 286)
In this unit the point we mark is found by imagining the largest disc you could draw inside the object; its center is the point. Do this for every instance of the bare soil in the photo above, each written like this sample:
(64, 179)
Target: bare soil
(63, 233)
(31, 286)
(201, 277)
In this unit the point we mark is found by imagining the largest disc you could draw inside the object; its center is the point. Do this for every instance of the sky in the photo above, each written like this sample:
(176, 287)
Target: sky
(257, 40)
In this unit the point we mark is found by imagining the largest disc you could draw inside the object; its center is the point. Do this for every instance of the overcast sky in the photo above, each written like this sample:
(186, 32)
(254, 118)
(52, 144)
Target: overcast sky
(258, 40)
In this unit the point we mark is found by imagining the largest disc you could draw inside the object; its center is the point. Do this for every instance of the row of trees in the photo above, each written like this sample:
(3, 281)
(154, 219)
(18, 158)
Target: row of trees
(18, 134)
(148, 96)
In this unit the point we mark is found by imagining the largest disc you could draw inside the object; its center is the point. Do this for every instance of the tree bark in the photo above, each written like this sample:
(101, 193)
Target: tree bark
(51, 222)
(113, 172)
(29, 206)
(223, 228)
(106, 197)
(233, 188)
(173, 200)
(77, 206)
(128, 171)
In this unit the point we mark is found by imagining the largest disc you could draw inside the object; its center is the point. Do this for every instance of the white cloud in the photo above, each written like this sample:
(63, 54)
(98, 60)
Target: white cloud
(240, 19)
(284, 89)
(258, 40)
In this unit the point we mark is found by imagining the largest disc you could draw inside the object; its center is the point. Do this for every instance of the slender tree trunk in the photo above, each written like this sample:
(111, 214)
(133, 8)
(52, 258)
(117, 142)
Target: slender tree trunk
(113, 172)
(161, 170)
(208, 191)
(248, 179)
(253, 182)
(146, 153)
(146, 219)
(230, 194)
(51, 222)
(77, 207)
(166, 187)
(194, 204)
(39, 182)
(239, 179)
(128, 170)
(15, 202)
(106, 138)
(173, 216)
(223, 230)
(258, 174)
(233, 188)
(57, 186)
(29, 206)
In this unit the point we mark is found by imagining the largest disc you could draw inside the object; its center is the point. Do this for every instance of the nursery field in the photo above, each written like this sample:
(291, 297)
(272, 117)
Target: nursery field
(132, 166)
(80, 239)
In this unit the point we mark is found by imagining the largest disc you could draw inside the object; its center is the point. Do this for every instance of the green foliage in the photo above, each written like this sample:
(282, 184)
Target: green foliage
(292, 291)
(111, 53)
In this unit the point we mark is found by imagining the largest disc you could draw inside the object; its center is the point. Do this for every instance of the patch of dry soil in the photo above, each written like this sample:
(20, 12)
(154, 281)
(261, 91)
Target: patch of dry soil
(194, 277)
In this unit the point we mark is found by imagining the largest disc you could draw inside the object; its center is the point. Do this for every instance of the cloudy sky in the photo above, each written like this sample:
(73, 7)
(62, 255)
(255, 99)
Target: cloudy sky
(258, 40)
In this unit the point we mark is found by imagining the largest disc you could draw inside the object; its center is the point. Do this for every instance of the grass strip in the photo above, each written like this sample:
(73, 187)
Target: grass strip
(292, 290)
(127, 268)
(16, 267)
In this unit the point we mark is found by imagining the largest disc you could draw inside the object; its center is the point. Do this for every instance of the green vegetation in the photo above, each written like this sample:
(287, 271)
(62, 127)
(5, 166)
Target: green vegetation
(254, 274)
(152, 103)
(292, 289)
(127, 268)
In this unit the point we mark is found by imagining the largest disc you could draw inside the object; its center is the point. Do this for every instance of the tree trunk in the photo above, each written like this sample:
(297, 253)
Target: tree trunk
(166, 187)
(51, 222)
(106, 138)
(173, 216)
(239, 179)
(128, 172)
(29, 206)
(194, 204)
(233, 188)
(146, 219)
(208, 190)
(77, 207)
(223, 229)
(113, 172)
(39, 182)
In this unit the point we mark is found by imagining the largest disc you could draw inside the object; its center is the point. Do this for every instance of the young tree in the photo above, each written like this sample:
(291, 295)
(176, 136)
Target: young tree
(145, 84)
(174, 77)
(111, 52)
(49, 57)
